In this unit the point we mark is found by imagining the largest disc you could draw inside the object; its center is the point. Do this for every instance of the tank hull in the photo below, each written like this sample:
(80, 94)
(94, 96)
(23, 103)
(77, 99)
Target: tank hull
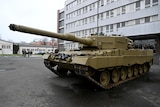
(120, 65)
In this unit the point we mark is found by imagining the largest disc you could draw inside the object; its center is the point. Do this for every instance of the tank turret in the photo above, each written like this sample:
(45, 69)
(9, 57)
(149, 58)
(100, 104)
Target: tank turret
(100, 42)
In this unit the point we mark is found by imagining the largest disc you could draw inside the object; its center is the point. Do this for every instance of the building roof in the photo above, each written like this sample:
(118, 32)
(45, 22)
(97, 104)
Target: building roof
(6, 41)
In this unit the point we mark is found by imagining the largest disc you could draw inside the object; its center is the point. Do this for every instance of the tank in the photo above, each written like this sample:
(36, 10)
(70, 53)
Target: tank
(106, 61)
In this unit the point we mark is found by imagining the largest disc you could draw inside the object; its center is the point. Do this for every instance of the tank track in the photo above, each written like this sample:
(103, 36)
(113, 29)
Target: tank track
(112, 85)
(47, 64)
(94, 81)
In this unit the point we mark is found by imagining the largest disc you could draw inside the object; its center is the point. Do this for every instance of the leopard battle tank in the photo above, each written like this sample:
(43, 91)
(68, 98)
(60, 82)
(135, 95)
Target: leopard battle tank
(106, 61)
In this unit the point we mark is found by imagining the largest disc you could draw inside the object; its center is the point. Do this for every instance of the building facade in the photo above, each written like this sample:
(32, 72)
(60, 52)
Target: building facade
(60, 27)
(136, 19)
(36, 49)
(6, 47)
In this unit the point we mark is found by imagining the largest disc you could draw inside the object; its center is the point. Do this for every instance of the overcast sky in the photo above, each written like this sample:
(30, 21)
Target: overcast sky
(41, 14)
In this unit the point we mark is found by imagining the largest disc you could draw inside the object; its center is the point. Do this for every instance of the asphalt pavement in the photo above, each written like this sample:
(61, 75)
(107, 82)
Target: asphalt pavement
(26, 82)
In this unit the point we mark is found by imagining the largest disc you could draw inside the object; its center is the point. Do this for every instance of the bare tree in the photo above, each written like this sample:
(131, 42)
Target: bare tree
(44, 41)
(53, 40)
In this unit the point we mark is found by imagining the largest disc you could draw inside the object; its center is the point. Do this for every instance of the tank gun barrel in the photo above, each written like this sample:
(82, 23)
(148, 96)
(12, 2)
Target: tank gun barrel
(67, 36)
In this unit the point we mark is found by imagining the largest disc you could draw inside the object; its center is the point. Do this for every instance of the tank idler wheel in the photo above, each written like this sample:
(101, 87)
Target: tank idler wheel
(123, 73)
(104, 78)
(146, 68)
(140, 69)
(115, 75)
(136, 70)
(130, 72)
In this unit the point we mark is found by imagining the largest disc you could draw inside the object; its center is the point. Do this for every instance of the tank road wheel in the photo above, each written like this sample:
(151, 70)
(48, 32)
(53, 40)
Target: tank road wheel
(140, 69)
(104, 78)
(130, 72)
(115, 75)
(136, 70)
(123, 73)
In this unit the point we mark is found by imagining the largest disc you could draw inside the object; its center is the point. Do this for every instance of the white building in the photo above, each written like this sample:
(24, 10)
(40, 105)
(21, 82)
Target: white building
(60, 27)
(6, 47)
(137, 19)
(36, 49)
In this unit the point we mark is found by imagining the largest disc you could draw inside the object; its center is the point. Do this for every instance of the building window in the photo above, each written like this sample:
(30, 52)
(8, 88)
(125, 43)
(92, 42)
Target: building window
(93, 5)
(118, 25)
(131, 22)
(137, 21)
(85, 32)
(107, 14)
(147, 19)
(154, 18)
(138, 5)
(123, 24)
(118, 11)
(98, 17)
(91, 31)
(101, 16)
(155, 2)
(90, 7)
(131, 7)
(79, 12)
(123, 9)
(95, 30)
(3, 46)
(8, 46)
(61, 23)
(107, 28)
(93, 18)
(101, 29)
(78, 1)
(61, 30)
(101, 2)
(112, 1)
(82, 21)
(77, 23)
(66, 7)
(108, 1)
(112, 13)
(111, 28)
(90, 19)
(85, 9)
(147, 3)
(61, 15)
